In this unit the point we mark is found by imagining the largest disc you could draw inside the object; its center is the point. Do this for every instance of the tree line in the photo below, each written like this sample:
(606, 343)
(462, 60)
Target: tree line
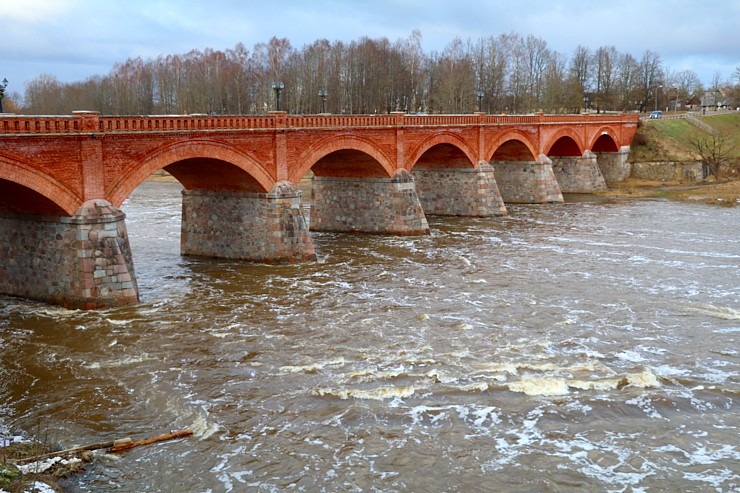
(508, 73)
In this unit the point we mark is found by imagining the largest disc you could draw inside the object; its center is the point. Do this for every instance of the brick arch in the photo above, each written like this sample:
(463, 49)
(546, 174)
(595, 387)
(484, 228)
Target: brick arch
(188, 150)
(608, 131)
(439, 139)
(510, 135)
(564, 132)
(343, 142)
(27, 176)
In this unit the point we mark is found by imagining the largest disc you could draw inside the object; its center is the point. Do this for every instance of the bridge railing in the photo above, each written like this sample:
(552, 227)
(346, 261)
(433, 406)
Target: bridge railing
(91, 122)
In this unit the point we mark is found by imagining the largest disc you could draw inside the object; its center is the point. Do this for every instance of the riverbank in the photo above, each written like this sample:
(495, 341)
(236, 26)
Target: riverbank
(724, 193)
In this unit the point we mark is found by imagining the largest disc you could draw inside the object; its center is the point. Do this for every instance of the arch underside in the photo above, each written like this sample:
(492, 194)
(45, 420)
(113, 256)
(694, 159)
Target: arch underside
(198, 165)
(443, 155)
(25, 190)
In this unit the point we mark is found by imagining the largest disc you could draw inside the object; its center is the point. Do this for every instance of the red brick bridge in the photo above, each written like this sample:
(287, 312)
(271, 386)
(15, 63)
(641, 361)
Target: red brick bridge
(63, 179)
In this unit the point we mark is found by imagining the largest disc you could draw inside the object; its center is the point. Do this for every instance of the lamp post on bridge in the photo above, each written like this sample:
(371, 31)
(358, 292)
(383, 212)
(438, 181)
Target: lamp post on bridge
(480, 95)
(3, 85)
(277, 87)
(322, 95)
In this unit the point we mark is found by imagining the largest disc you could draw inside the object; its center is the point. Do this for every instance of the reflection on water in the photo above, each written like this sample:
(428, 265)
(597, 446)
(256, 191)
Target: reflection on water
(590, 346)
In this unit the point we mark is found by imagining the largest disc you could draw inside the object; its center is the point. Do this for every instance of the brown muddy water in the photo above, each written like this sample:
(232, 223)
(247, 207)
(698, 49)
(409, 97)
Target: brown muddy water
(586, 346)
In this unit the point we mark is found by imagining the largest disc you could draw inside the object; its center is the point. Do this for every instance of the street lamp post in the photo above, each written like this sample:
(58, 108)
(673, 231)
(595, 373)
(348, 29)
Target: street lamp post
(322, 95)
(3, 85)
(585, 104)
(675, 108)
(656, 97)
(480, 100)
(277, 87)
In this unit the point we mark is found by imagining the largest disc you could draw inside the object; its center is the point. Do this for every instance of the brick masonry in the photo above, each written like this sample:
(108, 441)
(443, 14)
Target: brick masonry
(368, 205)
(459, 191)
(256, 227)
(528, 182)
(83, 261)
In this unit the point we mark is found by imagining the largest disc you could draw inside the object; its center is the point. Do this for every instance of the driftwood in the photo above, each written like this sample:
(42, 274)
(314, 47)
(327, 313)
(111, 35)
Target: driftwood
(120, 445)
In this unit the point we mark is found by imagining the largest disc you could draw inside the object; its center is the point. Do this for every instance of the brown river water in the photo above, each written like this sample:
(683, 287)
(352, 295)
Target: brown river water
(579, 347)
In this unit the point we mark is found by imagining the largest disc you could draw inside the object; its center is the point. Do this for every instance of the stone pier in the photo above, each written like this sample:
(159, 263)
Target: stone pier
(528, 182)
(368, 205)
(83, 261)
(256, 227)
(459, 191)
(578, 174)
(614, 166)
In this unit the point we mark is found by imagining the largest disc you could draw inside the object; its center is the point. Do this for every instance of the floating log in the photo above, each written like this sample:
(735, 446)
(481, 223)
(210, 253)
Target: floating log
(120, 445)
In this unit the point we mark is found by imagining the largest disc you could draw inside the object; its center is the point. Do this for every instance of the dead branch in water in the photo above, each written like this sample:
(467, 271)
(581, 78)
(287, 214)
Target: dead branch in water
(114, 446)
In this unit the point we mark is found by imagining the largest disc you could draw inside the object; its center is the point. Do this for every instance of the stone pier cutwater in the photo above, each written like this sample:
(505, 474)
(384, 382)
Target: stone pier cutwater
(256, 227)
(83, 261)
(459, 191)
(528, 182)
(368, 205)
(614, 166)
(578, 174)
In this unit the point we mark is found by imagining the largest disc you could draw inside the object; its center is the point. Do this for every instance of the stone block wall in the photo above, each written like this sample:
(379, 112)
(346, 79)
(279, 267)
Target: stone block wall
(459, 191)
(256, 227)
(83, 261)
(368, 205)
(614, 166)
(529, 182)
(578, 174)
(686, 172)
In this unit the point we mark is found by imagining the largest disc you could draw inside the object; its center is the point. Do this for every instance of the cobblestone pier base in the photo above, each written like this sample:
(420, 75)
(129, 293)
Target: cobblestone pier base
(614, 166)
(368, 205)
(528, 182)
(255, 227)
(83, 261)
(578, 174)
(459, 191)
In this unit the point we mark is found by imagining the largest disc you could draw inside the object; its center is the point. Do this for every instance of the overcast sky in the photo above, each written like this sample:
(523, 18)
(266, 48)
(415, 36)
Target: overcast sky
(75, 39)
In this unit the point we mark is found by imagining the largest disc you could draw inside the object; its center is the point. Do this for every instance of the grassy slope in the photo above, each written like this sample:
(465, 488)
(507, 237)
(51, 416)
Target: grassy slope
(661, 140)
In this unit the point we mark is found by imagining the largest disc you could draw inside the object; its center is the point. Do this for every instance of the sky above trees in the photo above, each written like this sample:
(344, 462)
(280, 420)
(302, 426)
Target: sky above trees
(76, 39)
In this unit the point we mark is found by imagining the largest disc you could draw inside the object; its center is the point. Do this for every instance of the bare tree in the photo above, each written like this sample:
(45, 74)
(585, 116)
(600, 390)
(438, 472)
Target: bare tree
(714, 149)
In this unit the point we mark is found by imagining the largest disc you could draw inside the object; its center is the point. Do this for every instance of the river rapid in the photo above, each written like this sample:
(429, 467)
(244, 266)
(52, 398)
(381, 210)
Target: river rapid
(580, 347)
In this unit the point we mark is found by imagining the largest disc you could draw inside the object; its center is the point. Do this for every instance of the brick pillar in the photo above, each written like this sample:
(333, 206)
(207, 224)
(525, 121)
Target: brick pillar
(614, 166)
(578, 174)
(255, 227)
(529, 182)
(83, 261)
(459, 191)
(368, 205)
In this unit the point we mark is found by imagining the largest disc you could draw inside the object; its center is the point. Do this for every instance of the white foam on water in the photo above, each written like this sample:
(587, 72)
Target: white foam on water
(539, 386)
(128, 360)
(723, 312)
(202, 428)
(378, 394)
(313, 367)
